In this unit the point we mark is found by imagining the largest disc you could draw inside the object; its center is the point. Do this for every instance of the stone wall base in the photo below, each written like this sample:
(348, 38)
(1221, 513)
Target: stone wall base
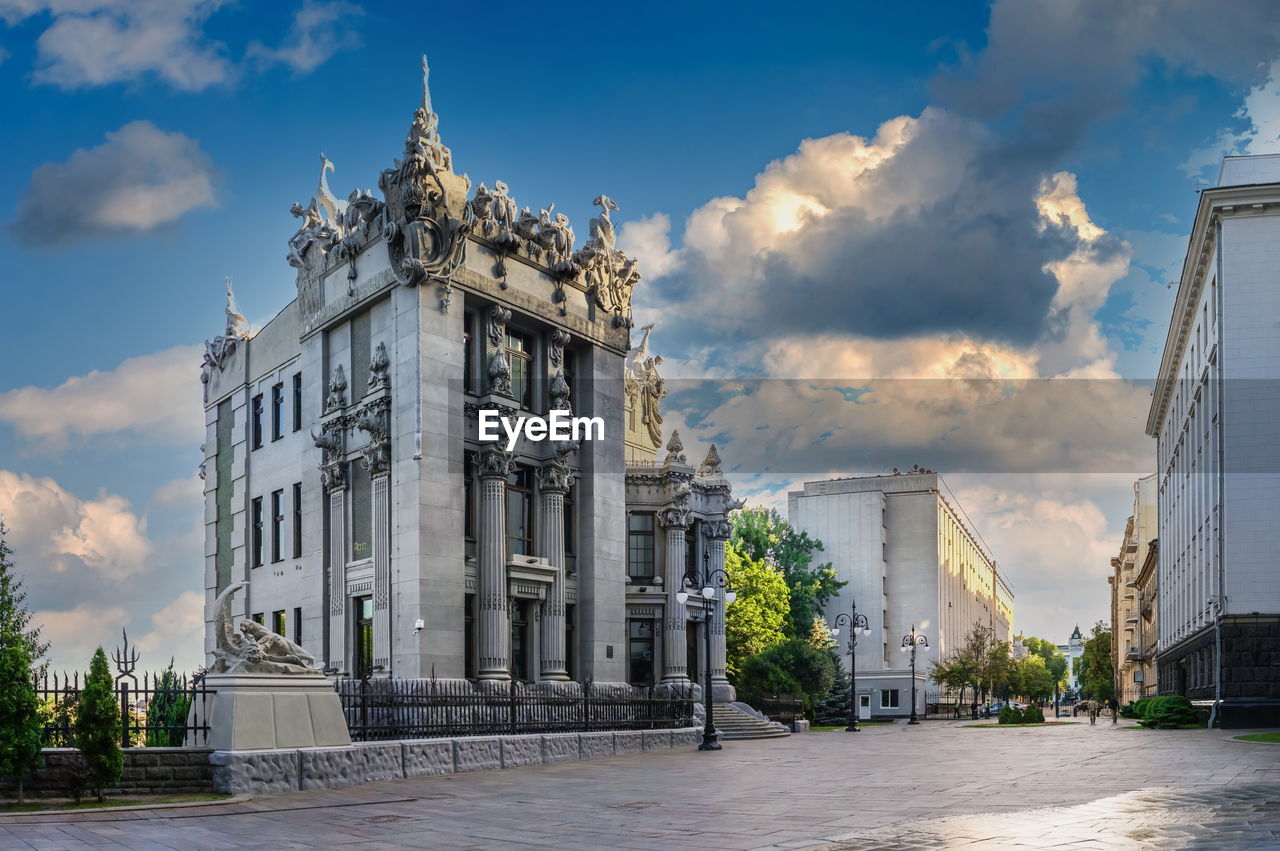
(147, 771)
(294, 769)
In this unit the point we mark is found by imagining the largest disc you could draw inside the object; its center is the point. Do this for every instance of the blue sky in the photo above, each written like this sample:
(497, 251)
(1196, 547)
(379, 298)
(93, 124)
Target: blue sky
(217, 114)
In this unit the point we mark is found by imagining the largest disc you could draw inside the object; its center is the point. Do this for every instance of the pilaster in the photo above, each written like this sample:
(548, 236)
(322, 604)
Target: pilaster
(492, 635)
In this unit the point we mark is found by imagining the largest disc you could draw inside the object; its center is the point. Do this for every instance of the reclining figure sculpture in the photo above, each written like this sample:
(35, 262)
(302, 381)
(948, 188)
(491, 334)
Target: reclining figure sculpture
(251, 648)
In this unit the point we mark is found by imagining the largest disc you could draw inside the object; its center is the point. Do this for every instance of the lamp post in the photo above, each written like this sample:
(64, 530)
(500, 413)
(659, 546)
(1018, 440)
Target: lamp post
(705, 585)
(857, 624)
(911, 642)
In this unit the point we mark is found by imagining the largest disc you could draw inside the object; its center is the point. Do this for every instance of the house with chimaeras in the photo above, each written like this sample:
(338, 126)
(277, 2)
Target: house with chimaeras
(347, 484)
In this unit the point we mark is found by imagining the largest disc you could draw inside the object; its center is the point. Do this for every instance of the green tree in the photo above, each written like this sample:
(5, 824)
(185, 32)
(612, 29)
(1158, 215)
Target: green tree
(758, 617)
(1033, 679)
(1097, 678)
(791, 666)
(21, 726)
(1053, 658)
(820, 635)
(167, 711)
(833, 709)
(762, 534)
(15, 619)
(97, 726)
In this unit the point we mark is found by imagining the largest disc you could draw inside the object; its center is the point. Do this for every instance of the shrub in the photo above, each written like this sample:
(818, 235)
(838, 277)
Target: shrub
(167, 712)
(1015, 715)
(759, 678)
(1033, 715)
(1167, 713)
(97, 726)
(1006, 715)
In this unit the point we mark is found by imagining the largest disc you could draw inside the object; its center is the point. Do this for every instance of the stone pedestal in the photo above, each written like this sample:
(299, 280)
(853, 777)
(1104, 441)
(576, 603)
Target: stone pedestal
(274, 711)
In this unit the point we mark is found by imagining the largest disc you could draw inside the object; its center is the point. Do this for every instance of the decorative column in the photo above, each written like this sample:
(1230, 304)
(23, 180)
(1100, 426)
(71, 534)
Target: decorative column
(674, 522)
(332, 441)
(375, 420)
(493, 466)
(554, 480)
(716, 533)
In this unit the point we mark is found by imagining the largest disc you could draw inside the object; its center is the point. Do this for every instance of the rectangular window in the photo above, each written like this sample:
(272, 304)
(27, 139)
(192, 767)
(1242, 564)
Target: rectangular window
(256, 617)
(278, 623)
(889, 698)
(469, 638)
(225, 522)
(277, 411)
(255, 531)
(520, 358)
(363, 634)
(277, 525)
(255, 423)
(297, 519)
(297, 625)
(570, 530)
(691, 549)
(520, 512)
(468, 355)
(361, 355)
(519, 641)
(297, 401)
(570, 639)
(640, 562)
(640, 652)
(361, 512)
(468, 500)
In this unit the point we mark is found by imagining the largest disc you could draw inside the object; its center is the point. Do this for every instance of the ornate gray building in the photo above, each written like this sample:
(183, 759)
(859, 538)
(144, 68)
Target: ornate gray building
(344, 478)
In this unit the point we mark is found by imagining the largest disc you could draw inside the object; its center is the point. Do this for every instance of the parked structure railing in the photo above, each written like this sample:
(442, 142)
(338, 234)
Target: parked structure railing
(388, 709)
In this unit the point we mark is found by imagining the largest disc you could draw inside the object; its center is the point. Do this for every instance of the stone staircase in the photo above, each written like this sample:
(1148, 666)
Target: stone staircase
(739, 721)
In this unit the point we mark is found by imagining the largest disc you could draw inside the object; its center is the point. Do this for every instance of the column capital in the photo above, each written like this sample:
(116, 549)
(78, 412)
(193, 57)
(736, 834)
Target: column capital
(717, 530)
(675, 518)
(494, 463)
(555, 476)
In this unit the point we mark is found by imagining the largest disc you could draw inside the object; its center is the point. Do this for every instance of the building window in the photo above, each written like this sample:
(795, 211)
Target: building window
(570, 638)
(361, 355)
(277, 411)
(255, 423)
(297, 625)
(640, 564)
(691, 549)
(257, 618)
(297, 401)
(468, 353)
(570, 530)
(519, 641)
(640, 652)
(361, 513)
(297, 519)
(255, 532)
(469, 503)
(363, 633)
(889, 698)
(469, 638)
(520, 512)
(277, 525)
(278, 624)
(520, 358)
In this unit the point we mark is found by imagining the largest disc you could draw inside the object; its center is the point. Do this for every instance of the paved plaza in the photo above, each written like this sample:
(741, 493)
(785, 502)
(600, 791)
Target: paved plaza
(936, 785)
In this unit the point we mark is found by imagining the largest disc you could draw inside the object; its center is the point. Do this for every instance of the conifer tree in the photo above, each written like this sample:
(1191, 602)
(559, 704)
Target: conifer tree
(21, 728)
(97, 727)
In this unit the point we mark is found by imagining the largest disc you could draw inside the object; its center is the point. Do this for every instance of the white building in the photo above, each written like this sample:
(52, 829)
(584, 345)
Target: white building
(1074, 651)
(1133, 664)
(347, 484)
(1215, 414)
(909, 560)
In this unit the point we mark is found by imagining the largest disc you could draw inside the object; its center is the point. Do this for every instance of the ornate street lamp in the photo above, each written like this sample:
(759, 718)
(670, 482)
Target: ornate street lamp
(857, 625)
(911, 642)
(705, 585)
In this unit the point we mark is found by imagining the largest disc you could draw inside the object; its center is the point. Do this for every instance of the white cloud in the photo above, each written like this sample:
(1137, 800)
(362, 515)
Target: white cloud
(319, 30)
(99, 42)
(50, 527)
(138, 179)
(177, 630)
(156, 396)
(73, 634)
(649, 240)
(180, 493)
(1260, 110)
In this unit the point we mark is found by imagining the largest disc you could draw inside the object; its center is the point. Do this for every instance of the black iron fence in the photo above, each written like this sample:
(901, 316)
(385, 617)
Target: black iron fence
(386, 709)
(163, 710)
(785, 709)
